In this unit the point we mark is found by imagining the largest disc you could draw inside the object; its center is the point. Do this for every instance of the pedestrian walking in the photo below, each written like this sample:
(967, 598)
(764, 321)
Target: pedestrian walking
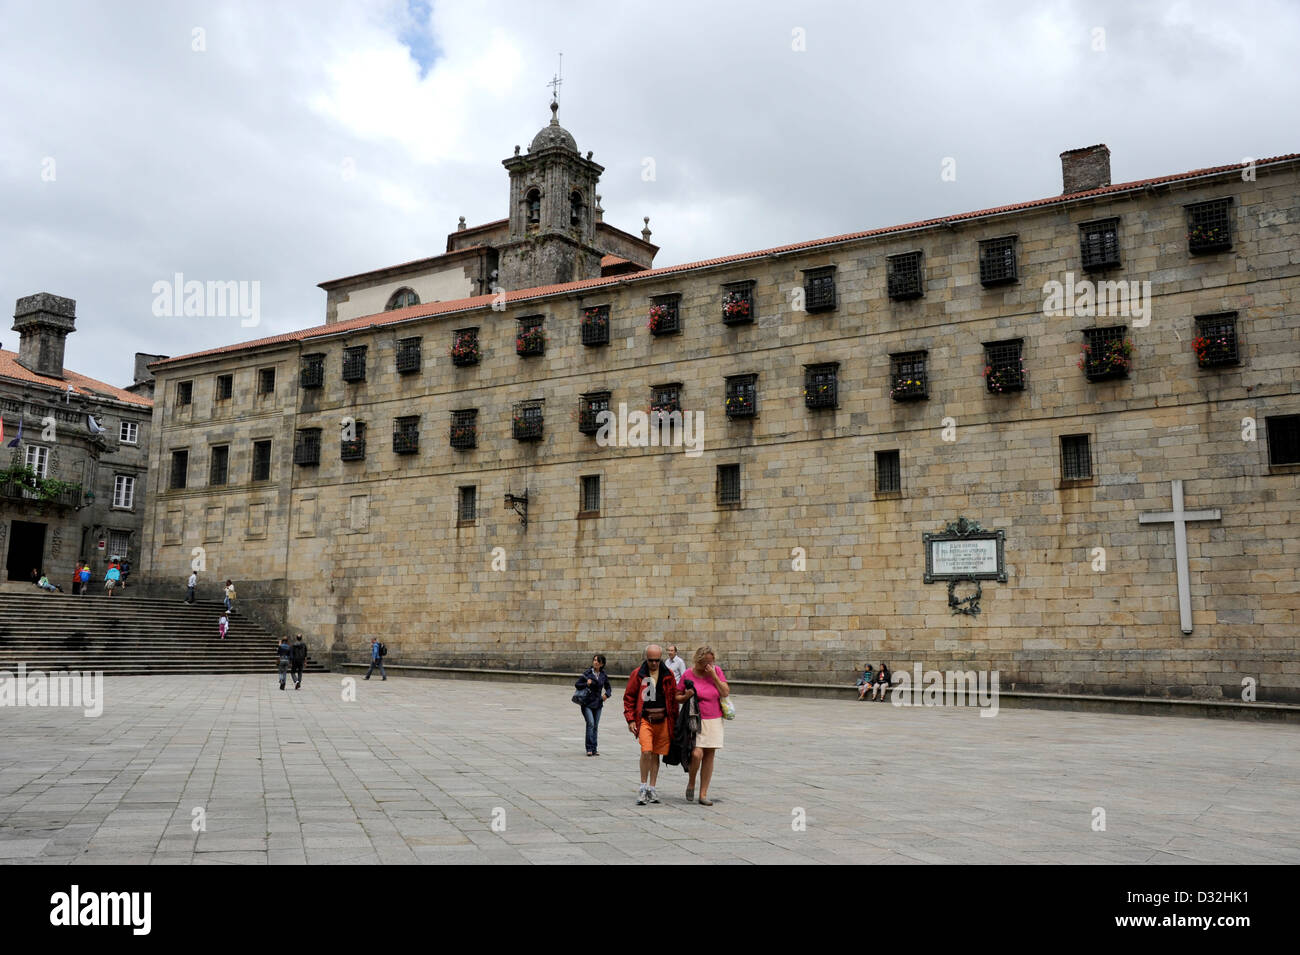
(593, 687)
(283, 654)
(675, 663)
(190, 585)
(76, 580)
(85, 578)
(222, 626)
(230, 596)
(377, 653)
(111, 578)
(125, 567)
(708, 685)
(298, 660)
(649, 706)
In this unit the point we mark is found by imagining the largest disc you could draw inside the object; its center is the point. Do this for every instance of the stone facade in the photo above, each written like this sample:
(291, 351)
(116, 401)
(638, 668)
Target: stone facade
(815, 571)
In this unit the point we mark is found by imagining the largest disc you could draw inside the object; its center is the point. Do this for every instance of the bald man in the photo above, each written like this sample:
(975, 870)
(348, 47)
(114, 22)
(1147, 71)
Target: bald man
(648, 707)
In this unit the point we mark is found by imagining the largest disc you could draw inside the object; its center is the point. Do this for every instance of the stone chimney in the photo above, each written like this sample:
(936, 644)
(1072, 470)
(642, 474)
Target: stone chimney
(43, 322)
(142, 362)
(1084, 169)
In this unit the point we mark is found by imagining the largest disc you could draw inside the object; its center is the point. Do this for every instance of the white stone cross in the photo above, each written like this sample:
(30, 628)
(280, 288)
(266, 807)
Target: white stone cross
(1179, 518)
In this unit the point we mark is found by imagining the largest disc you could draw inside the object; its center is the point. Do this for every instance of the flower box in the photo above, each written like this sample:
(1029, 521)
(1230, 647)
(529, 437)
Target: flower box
(464, 350)
(1107, 359)
(908, 389)
(1001, 379)
(737, 308)
(531, 341)
(663, 319)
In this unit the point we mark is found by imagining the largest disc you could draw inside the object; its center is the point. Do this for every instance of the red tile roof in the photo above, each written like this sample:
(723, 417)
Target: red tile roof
(10, 369)
(480, 301)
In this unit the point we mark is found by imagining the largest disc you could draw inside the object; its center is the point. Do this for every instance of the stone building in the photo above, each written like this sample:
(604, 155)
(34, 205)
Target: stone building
(68, 492)
(1090, 400)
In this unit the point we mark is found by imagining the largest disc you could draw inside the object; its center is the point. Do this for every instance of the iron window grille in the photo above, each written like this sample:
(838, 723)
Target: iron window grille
(998, 261)
(219, 466)
(464, 430)
(590, 494)
(1099, 244)
(306, 447)
(464, 347)
(889, 473)
(406, 434)
(354, 363)
(728, 483)
(595, 325)
(908, 379)
(261, 460)
(527, 421)
(665, 315)
(665, 400)
(742, 396)
(589, 409)
(819, 289)
(903, 276)
(1216, 340)
(531, 337)
(1004, 366)
(180, 470)
(410, 355)
(354, 449)
(184, 392)
(1107, 353)
(467, 509)
(266, 381)
(1283, 439)
(738, 303)
(225, 387)
(1209, 228)
(312, 373)
(1076, 458)
(821, 385)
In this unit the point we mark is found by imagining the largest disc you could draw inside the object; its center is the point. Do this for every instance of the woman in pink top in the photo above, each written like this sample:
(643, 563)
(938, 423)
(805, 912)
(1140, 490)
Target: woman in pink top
(709, 685)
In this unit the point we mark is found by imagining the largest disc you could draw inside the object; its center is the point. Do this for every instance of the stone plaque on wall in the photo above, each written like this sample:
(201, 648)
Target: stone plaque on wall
(359, 512)
(257, 520)
(965, 551)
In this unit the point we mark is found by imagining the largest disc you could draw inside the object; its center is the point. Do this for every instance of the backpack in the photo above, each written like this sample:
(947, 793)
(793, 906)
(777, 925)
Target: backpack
(383, 649)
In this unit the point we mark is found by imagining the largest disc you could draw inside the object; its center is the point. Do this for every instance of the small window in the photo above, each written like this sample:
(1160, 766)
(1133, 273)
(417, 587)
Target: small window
(589, 408)
(728, 483)
(665, 399)
(530, 339)
(998, 261)
(266, 381)
(354, 448)
(467, 506)
(261, 460)
(184, 392)
(819, 289)
(1209, 228)
(409, 352)
(180, 469)
(37, 459)
(464, 346)
(312, 374)
(225, 387)
(1076, 458)
(527, 422)
(595, 325)
(354, 363)
(889, 473)
(821, 385)
(129, 433)
(406, 434)
(903, 276)
(908, 379)
(306, 447)
(219, 466)
(402, 298)
(1283, 439)
(1107, 353)
(464, 429)
(590, 503)
(123, 491)
(742, 396)
(1004, 366)
(665, 315)
(738, 303)
(1099, 244)
(1216, 340)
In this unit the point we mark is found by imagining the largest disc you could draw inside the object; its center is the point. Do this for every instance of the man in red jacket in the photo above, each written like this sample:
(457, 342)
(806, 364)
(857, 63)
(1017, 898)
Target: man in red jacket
(650, 707)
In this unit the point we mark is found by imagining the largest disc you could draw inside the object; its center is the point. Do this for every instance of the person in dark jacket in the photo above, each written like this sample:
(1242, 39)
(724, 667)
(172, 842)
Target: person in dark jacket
(881, 686)
(596, 683)
(284, 653)
(298, 659)
(376, 658)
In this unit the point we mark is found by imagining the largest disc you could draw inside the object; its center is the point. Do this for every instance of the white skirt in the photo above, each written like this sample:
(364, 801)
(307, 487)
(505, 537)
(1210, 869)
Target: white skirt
(710, 734)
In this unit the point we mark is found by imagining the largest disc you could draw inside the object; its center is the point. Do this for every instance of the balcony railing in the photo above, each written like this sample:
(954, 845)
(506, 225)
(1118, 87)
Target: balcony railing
(18, 491)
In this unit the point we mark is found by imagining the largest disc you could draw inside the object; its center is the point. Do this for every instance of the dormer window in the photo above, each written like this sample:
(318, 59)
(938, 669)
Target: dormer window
(402, 298)
(575, 209)
(533, 203)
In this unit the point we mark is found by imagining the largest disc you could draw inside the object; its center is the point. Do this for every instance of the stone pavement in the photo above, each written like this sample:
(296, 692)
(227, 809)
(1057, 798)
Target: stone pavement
(414, 770)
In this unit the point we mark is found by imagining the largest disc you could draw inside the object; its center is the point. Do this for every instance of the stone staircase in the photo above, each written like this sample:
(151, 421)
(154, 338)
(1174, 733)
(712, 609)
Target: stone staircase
(128, 635)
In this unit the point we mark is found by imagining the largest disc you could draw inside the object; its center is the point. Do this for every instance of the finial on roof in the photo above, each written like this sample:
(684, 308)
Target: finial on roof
(555, 112)
(600, 213)
(645, 233)
(516, 150)
(460, 226)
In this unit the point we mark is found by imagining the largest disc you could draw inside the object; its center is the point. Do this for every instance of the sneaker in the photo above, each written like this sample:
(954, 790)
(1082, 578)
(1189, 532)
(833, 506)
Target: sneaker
(297, 686)
(653, 796)
(641, 795)
(282, 686)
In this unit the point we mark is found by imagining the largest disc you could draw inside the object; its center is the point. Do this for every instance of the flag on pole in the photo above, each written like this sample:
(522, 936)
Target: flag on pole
(18, 440)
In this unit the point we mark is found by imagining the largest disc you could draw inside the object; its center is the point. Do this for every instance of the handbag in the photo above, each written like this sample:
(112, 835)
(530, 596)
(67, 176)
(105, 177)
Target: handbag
(728, 708)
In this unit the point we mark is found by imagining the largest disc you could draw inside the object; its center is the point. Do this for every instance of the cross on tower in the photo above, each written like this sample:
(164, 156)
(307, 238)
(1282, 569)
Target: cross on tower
(557, 80)
(1179, 518)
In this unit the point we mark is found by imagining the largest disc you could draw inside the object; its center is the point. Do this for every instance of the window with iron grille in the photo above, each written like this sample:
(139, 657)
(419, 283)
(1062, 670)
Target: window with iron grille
(595, 325)
(354, 363)
(589, 408)
(123, 490)
(738, 303)
(1004, 366)
(266, 381)
(665, 398)
(464, 346)
(821, 386)
(464, 429)
(467, 504)
(219, 466)
(665, 315)
(306, 447)
(1216, 340)
(1209, 228)
(312, 373)
(180, 469)
(406, 434)
(1107, 353)
(261, 460)
(728, 483)
(119, 544)
(409, 354)
(1099, 244)
(1076, 458)
(590, 494)
(354, 448)
(889, 473)
(819, 289)
(903, 276)
(225, 387)
(998, 261)
(184, 392)
(1283, 439)
(530, 339)
(527, 421)
(908, 379)
(742, 396)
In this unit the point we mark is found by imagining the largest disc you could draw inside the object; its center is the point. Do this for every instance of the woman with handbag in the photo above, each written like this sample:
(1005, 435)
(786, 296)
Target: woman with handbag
(708, 685)
(593, 691)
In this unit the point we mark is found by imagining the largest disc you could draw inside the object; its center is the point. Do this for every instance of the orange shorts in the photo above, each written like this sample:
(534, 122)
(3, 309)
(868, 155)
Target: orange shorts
(653, 737)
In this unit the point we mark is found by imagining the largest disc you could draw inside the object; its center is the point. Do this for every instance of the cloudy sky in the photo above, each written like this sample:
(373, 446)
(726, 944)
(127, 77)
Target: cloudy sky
(291, 143)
